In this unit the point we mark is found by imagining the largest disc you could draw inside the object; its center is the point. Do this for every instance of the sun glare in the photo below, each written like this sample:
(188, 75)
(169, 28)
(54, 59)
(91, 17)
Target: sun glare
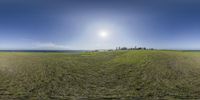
(103, 34)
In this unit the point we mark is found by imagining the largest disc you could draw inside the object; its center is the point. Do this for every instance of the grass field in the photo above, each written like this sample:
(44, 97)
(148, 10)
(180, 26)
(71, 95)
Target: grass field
(100, 75)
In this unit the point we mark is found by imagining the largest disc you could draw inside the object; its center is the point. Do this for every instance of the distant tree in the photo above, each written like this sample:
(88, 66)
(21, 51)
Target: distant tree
(151, 48)
(139, 48)
(130, 48)
(123, 48)
(96, 50)
(110, 50)
(135, 47)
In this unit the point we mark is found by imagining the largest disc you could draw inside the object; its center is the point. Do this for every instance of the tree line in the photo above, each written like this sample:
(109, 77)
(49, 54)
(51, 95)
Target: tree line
(125, 48)
(135, 48)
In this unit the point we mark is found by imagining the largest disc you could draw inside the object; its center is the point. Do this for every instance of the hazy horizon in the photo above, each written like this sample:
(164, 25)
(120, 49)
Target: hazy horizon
(99, 24)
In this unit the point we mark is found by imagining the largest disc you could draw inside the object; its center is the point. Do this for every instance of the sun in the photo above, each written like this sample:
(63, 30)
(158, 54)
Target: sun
(103, 34)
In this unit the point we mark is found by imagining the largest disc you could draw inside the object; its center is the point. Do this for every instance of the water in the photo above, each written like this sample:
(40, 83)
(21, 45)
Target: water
(65, 51)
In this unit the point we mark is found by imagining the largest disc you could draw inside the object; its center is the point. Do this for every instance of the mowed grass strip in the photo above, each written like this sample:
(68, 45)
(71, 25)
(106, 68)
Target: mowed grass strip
(100, 75)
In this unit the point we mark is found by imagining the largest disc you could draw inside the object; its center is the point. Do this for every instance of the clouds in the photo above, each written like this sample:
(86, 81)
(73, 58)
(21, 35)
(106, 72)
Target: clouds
(50, 46)
(33, 46)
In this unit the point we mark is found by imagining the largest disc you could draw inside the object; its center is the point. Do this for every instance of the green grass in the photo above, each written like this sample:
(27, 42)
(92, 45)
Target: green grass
(100, 75)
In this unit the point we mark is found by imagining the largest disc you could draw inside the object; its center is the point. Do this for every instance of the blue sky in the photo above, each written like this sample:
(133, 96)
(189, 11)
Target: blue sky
(76, 24)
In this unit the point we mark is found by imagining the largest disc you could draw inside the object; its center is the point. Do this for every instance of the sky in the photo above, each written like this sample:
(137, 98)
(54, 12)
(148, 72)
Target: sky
(99, 24)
